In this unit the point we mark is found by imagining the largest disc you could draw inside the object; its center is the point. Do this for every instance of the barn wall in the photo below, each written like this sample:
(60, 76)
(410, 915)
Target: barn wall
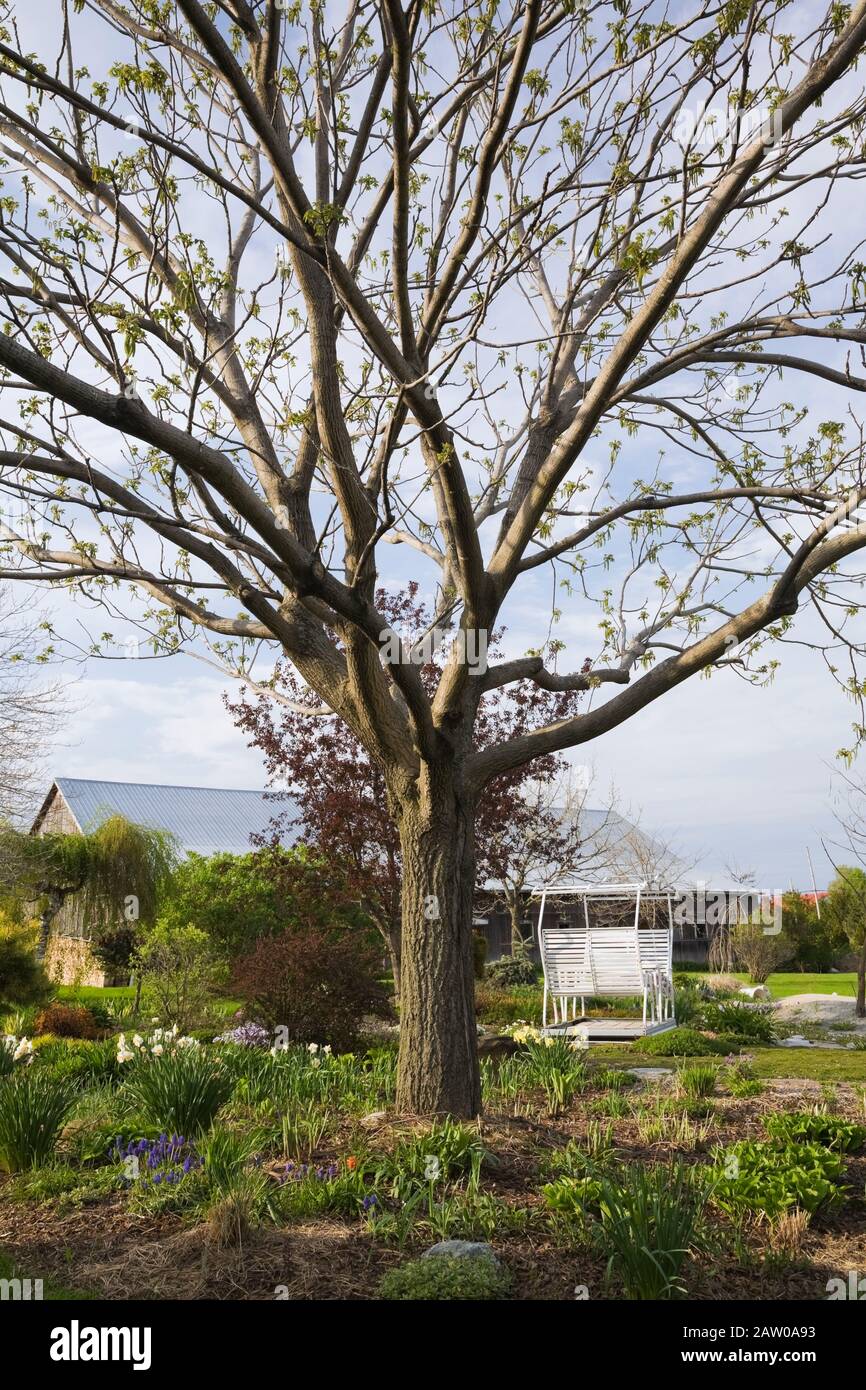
(68, 959)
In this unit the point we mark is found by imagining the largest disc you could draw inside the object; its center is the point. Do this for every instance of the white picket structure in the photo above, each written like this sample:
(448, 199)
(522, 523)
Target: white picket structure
(607, 962)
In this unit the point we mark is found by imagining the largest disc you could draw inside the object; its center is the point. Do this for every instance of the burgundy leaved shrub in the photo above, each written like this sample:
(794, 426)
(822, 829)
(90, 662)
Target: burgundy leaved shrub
(66, 1021)
(317, 985)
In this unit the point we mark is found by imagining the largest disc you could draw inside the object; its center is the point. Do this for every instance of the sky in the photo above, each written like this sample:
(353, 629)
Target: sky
(732, 775)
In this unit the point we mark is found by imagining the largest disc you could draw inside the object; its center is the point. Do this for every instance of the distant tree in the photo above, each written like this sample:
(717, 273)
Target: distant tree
(817, 940)
(846, 897)
(846, 908)
(542, 837)
(238, 898)
(180, 972)
(758, 951)
(22, 976)
(30, 707)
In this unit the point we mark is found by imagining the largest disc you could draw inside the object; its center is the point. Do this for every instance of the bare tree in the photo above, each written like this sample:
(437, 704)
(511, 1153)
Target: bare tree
(290, 285)
(846, 900)
(553, 839)
(30, 707)
(651, 859)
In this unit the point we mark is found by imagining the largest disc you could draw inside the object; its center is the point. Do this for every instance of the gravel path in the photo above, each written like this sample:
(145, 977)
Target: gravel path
(820, 1008)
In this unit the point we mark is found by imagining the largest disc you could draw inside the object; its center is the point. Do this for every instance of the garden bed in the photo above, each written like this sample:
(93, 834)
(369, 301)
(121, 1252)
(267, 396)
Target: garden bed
(551, 1118)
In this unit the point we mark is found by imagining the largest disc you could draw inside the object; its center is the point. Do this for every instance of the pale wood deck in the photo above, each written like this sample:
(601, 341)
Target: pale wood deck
(601, 1030)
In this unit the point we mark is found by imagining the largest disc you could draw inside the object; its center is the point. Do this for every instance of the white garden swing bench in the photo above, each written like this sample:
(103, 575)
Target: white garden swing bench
(591, 959)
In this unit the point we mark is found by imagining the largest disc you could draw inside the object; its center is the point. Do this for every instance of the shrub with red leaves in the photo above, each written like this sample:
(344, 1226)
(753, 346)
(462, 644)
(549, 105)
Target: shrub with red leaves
(317, 985)
(66, 1021)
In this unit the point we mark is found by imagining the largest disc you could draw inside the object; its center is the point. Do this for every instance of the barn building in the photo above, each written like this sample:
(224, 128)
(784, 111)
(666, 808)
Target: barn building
(203, 820)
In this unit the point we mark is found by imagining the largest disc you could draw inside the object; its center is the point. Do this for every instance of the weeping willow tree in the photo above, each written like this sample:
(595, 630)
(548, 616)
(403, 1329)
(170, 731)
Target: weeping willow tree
(119, 872)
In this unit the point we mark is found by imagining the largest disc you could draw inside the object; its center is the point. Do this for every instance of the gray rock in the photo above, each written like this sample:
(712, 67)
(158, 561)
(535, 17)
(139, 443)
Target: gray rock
(795, 1041)
(462, 1249)
(497, 1049)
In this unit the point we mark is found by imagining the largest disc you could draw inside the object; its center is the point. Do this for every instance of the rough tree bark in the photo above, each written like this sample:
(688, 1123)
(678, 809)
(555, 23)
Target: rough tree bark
(438, 1066)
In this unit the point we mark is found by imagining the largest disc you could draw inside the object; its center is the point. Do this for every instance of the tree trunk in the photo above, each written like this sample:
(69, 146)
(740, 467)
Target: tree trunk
(392, 940)
(395, 946)
(53, 901)
(438, 1066)
(515, 909)
(860, 1006)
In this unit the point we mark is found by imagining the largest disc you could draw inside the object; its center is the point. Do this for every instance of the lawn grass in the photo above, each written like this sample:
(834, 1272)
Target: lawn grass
(94, 994)
(82, 994)
(782, 985)
(51, 1291)
(806, 1064)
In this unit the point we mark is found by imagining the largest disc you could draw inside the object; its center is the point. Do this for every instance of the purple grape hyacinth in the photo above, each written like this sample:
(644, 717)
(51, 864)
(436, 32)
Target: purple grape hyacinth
(247, 1035)
(170, 1158)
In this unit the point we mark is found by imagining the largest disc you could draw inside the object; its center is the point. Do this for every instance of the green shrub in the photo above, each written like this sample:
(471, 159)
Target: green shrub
(78, 1060)
(679, 1042)
(769, 1178)
(47, 1183)
(747, 1021)
(829, 1130)
(688, 1000)
(512, 970)
(61, 1182)
(22, 977)
(180, 971)
(442, 1277)
(732, 1043)
(743, 1087)
(180, 1091)
(237, 899)
(104, 1011)
(479, 954)
(33, 1108)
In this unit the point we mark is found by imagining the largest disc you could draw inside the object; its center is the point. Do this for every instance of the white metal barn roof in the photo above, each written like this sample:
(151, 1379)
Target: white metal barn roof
(204, 820)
